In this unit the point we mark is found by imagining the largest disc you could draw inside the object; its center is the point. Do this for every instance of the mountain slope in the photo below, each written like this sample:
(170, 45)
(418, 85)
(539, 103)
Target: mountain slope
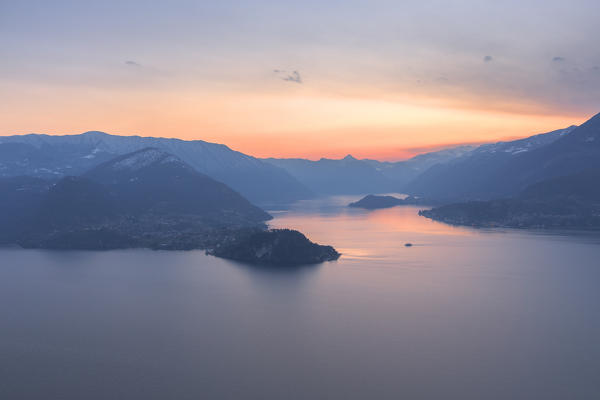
(575, 152)
(151, 180)
(584, 185)
(571, 201)
(403, 172)
(18, 197)
(328, 177)
(491, 170)
(351, 176)
(76, 201)
(147, 198)
(49, 156)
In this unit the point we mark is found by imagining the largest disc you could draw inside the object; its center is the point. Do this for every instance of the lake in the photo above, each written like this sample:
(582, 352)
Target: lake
(462, 314)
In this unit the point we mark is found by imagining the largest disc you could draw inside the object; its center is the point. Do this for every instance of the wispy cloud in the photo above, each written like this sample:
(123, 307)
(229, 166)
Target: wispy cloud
(293, 76)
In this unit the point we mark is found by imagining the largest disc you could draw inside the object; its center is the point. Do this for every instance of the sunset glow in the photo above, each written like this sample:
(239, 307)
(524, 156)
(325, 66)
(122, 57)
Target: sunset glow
(385, 82)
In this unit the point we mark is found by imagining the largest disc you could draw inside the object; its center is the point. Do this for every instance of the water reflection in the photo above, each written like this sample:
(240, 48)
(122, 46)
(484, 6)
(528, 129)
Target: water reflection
(464, 314)
(380, 235)
(364, 235)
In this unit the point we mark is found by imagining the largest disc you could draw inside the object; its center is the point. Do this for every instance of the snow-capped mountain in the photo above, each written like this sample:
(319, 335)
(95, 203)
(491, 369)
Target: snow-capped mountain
(52, 156)
(504, 168)
(147, 198)
(402, 172)
(145, 158)
(522, 145)
(152, 179)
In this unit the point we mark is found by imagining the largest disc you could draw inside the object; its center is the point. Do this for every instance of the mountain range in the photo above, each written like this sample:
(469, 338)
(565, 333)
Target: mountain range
(52, 157)
(460, 172)
(499, 169)
(552, 183)
(147, 198)
(353, 176)
(465, 172)
(570, 201)
(330, 177)
(545, 180)
(163, 175)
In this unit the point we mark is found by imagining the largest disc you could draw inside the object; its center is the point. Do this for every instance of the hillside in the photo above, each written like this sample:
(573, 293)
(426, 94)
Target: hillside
(352, 176)
(148, 198)
(571, 201)
(52, 157)
(490, 171)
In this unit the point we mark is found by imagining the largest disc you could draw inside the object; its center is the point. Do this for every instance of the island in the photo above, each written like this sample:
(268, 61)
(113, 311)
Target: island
(274, 247)
(147, 199)
(374, 202)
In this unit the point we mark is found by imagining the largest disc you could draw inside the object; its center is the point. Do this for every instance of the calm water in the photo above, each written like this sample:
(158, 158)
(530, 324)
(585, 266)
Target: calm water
(463, 314)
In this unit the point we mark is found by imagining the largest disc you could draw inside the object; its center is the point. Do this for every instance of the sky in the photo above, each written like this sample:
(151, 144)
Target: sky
(311, 79)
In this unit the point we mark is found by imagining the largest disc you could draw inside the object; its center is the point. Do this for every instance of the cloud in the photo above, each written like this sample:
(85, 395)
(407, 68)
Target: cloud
(294, 76)
(133, 63)
(558, 59)
(487, 59)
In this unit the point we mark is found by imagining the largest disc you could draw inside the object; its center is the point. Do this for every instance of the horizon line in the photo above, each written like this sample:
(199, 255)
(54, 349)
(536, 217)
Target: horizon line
(411, 152)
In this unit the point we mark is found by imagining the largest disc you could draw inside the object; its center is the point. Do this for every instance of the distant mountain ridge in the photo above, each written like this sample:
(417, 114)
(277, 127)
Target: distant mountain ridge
(134, 195)
(576, 152)
(353, 176)
(154, 180)
(553, 184)
(403, 172)
(463, 172)
(491, 170)
(147, 198)
(330, 177)
(50, 156)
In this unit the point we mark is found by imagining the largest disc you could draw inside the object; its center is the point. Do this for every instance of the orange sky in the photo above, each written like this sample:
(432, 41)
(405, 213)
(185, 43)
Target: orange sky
(305, 123)
(379, 79)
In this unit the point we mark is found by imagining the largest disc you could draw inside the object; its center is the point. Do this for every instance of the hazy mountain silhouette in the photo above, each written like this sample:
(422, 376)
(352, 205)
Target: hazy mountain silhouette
(575, 152)
(570, 201)
(500, 169)
(52, 157)
(403, 172)
(147, 198)
(138, 199)
(327, 177)
(352, 176)
(151, 180)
